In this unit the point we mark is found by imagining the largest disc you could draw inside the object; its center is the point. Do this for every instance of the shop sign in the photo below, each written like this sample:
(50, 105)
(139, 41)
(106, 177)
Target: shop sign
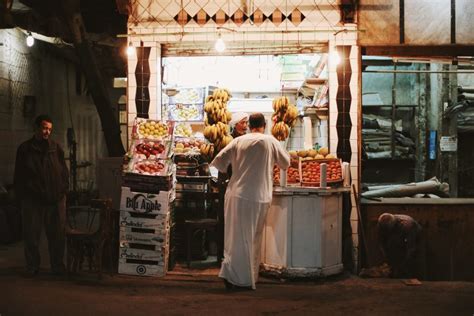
(448, 143)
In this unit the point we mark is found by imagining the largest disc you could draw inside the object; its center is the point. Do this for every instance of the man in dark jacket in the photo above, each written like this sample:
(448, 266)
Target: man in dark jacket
(41, 182)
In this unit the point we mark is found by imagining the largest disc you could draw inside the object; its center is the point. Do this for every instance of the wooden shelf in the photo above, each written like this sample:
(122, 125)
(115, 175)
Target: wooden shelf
(321, 113)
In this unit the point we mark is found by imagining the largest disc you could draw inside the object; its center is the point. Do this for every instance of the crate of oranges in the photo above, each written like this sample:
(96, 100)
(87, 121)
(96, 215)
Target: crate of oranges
(292, 173)
(311, 171)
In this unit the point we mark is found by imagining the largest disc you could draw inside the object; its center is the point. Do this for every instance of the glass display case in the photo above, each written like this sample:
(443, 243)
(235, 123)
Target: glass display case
(187, 104)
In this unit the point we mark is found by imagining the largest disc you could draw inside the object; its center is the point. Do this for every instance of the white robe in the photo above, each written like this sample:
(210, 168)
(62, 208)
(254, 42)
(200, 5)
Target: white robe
(247, 200)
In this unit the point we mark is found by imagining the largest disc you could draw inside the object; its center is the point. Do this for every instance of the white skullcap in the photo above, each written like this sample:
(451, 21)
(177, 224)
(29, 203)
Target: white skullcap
(237, 117)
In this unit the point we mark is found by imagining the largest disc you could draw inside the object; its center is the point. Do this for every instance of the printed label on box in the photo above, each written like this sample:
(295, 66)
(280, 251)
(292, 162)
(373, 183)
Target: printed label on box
(163, 248)
(142, 269)
(142, 254)
(130, 219)
(148, 203)
(198, 187)
(146, 239)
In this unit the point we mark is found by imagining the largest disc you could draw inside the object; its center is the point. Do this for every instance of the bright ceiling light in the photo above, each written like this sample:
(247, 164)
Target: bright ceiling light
(220, 45)
(335, 58)
(30, 40)
(130, 49)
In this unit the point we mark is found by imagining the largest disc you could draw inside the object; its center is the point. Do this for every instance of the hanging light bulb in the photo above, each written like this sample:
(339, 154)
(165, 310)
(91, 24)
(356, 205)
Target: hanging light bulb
(30, 40)
(220, 45)
(335, 58)
(130, 49)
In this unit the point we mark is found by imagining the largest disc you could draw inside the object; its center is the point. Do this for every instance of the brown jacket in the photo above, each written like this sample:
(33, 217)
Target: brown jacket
(40, 171)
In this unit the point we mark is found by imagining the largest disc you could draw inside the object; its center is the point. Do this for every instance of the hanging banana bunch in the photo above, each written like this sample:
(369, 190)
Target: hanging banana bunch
(216, 122)
(284, 117)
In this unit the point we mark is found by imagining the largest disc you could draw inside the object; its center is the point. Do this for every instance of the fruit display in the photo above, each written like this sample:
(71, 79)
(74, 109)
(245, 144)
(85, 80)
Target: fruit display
(207, 151)
(147, 149)
(187, 96)
(183, 130)
(321, 153)
(185, 112)
(217, 118)
(311, 173)
(188, 146)
(292, 173)
(151, 129)
(150, 167)
(284, 117)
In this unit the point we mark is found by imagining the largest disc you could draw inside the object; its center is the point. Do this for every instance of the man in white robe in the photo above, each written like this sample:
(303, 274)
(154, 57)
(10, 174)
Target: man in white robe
(247, 200)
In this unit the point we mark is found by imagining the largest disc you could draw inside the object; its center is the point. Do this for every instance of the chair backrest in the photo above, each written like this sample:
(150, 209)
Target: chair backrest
(105, 207)
(93, 219)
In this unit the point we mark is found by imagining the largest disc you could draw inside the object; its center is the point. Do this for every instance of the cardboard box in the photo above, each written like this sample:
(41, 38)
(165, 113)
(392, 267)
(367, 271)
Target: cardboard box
(147, 221)
(142, 269)
(148, 203)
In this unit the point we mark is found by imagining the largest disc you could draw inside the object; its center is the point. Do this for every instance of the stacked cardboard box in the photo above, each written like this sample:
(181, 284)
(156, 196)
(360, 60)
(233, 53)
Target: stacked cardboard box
(144, 232)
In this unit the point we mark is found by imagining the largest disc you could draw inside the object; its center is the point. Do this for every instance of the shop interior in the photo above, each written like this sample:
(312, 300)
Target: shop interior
(417, 143)
(253, 82)
(417, 121)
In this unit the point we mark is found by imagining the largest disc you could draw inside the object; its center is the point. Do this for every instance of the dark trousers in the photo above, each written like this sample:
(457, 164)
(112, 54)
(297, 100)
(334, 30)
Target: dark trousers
(35, 215)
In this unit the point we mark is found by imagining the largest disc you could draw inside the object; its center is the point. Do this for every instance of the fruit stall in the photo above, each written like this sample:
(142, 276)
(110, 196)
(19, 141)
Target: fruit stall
(167, 182)
(303, 231)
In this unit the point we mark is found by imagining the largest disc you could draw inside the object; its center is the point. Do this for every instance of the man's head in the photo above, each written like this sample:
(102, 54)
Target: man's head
(257, 122)
(239, 122)
(43, 127)
(386, 221)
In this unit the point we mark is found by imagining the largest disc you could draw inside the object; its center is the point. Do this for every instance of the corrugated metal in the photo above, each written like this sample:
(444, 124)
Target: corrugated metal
(89, 140)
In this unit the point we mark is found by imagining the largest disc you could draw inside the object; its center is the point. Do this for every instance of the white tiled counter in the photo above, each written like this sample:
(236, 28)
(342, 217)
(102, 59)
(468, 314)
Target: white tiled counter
(303, 232)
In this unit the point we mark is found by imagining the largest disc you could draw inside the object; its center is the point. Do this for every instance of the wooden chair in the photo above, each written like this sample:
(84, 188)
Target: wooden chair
(88, 234)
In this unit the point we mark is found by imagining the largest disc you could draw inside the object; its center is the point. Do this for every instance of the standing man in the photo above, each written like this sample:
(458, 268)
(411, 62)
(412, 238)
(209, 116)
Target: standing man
(41, 181)
(247, 200)
(239, 126)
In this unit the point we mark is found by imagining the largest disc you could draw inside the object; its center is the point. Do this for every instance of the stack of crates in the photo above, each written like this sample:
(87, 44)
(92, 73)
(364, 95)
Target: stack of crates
(144, 232)
(148, 191)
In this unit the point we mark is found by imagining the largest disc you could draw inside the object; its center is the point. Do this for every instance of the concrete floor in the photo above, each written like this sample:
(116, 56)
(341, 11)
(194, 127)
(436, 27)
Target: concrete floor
(199, 292)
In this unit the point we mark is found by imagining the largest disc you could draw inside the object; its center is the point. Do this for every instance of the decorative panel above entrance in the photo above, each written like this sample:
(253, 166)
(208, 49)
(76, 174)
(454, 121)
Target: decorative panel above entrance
(235, 13)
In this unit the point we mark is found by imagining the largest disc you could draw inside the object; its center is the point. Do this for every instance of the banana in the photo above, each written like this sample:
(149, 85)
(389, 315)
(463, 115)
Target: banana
(207, 132)
(215, 132)
(226, 140)
(207, 107)
(204, 149)
(210, 151)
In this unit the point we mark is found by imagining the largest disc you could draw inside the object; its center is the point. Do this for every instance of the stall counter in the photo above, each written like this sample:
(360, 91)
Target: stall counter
(303, 232)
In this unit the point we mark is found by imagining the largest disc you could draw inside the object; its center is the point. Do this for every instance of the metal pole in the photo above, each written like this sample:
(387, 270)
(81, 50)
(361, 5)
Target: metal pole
(394, 109)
